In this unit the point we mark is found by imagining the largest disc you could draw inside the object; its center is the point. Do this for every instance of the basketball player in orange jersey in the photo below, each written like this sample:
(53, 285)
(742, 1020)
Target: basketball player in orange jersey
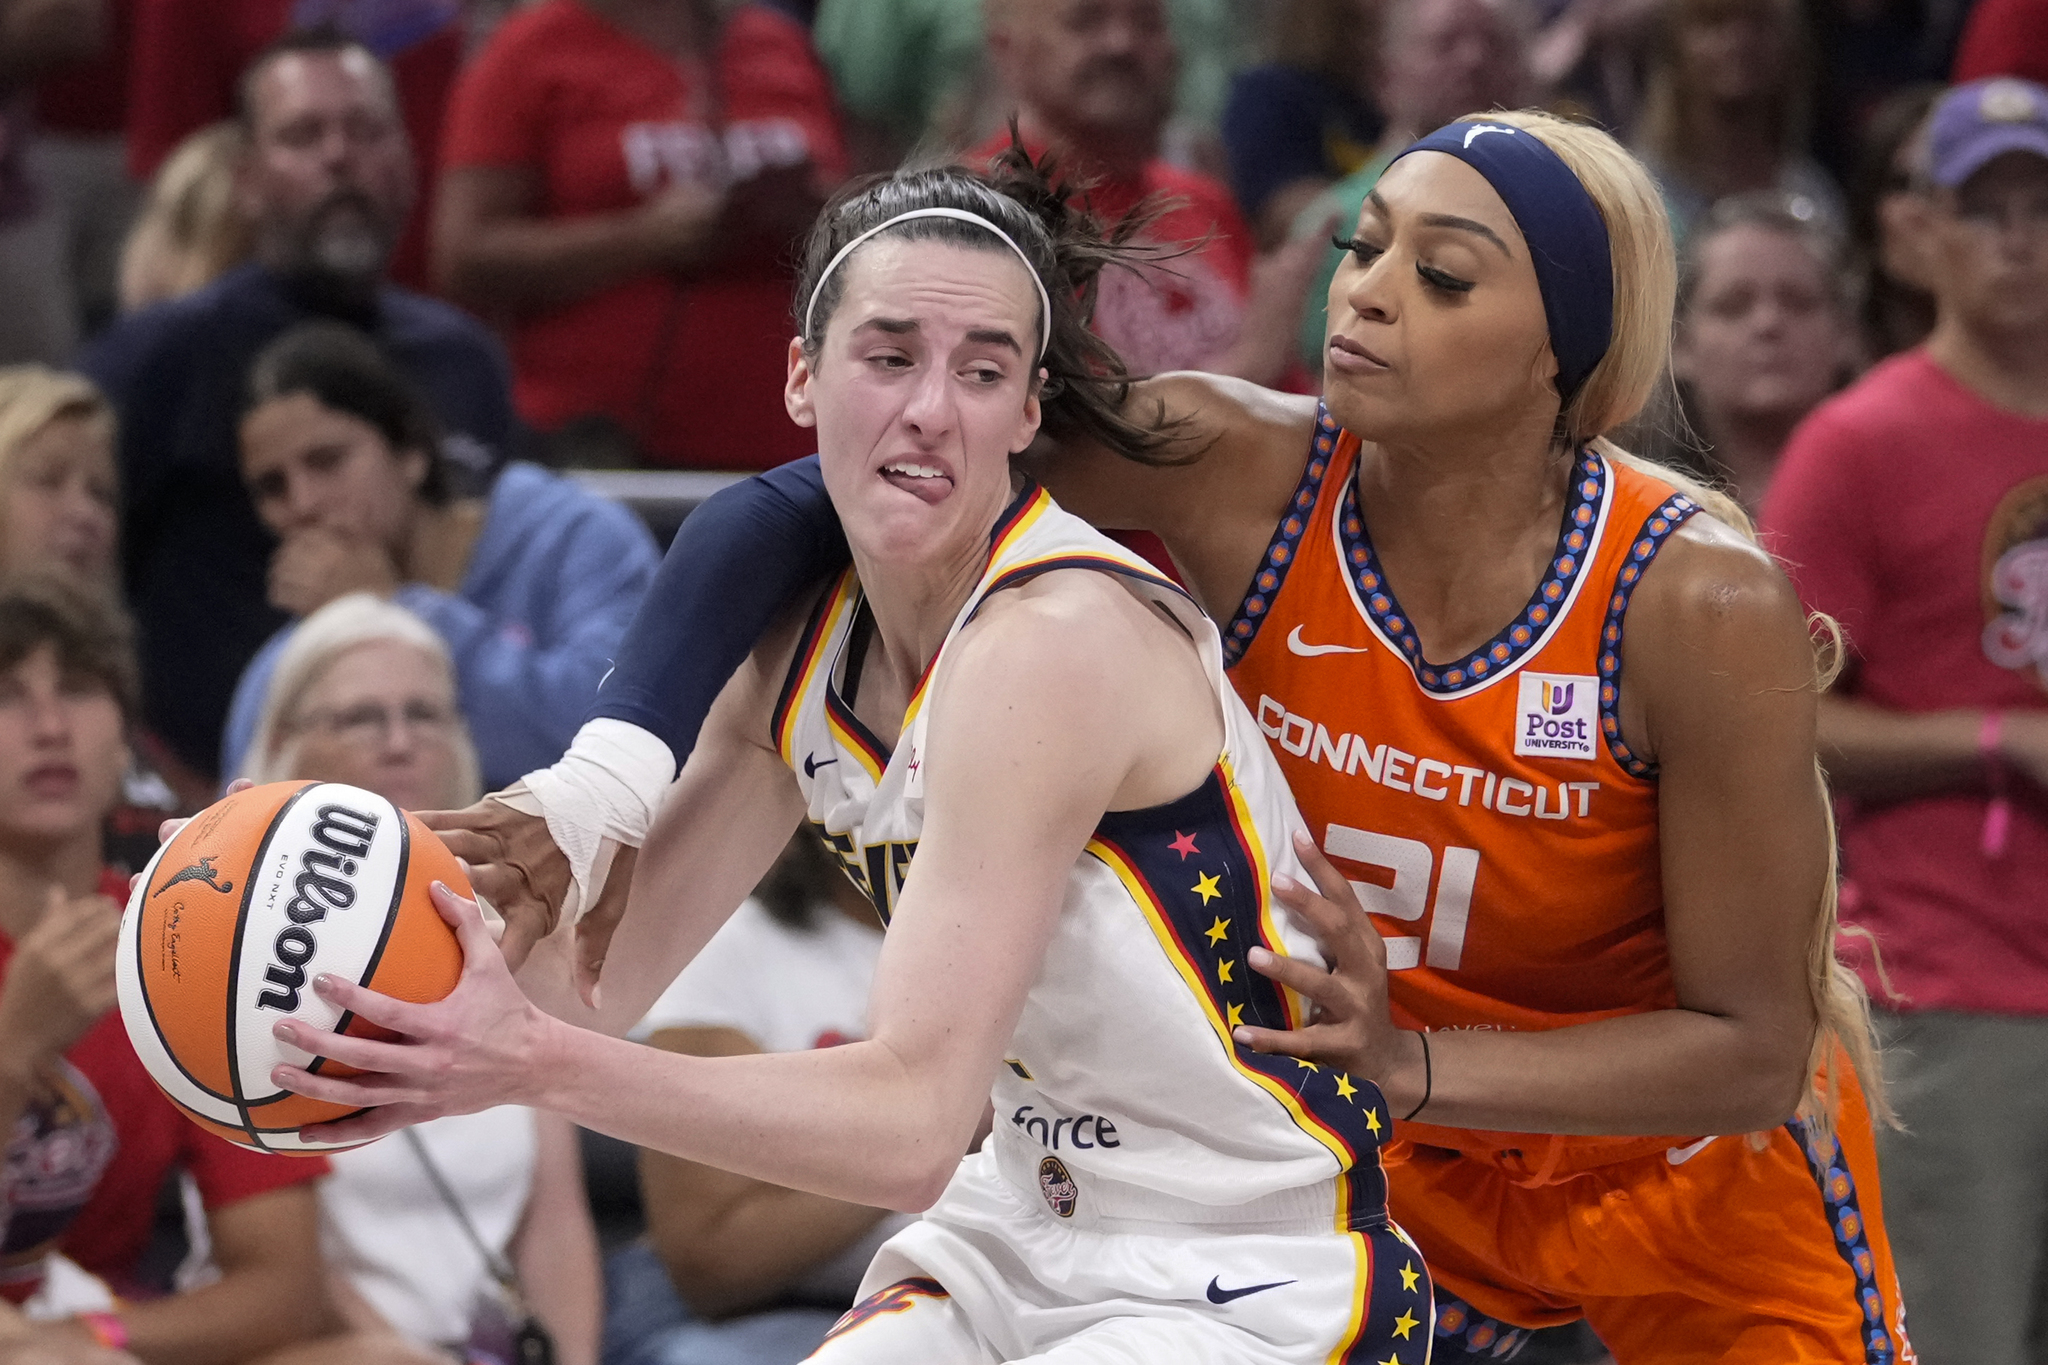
(1553, 713)
(1555, 723)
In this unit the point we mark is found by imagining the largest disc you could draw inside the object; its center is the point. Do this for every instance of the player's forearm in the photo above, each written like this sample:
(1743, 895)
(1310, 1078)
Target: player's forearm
(857, 1123)
(1884, 755)
(1671, 1071)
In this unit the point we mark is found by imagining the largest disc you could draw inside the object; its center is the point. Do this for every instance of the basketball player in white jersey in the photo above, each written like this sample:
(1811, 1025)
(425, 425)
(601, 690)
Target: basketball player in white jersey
(1018, 738)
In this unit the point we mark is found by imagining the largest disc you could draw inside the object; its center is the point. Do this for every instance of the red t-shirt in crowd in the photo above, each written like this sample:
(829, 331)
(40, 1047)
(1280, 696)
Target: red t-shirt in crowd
(86, 1159)
(1183, 313)
(190, 55)
(2004, 38)
(691, 369)
(1916, 514)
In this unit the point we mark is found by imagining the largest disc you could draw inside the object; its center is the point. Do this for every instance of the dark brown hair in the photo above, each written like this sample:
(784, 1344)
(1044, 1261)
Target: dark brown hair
(91, 635)
(1087, 383)
(343, 370)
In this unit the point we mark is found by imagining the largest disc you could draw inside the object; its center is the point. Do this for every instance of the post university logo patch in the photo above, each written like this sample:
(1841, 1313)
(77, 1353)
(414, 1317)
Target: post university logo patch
(1558, 715)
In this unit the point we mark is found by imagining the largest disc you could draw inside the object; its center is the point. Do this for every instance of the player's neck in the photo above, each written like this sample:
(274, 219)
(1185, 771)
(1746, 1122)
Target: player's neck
(914, 606)
(29, 868)
(2006, 370)
(1463, 530)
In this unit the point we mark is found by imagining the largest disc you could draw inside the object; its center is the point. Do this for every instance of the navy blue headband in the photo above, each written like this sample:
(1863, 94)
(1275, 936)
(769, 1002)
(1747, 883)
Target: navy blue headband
(1566, 235)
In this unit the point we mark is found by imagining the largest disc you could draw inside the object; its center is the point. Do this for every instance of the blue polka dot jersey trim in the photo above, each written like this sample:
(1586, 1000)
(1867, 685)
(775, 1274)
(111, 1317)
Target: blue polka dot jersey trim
(1281, 553)
(1677, 509)
(1852, 1238)
(1544, 609)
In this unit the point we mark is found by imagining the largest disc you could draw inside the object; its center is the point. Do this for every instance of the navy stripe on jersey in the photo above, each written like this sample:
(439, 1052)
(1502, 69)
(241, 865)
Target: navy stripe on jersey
(1019, 505)
(1395, 1328)
(1852, 1239)
(1192, 860)
(1657, 528)
(853, 727)
(1286, 543)
(1024, 573)
(807, 645)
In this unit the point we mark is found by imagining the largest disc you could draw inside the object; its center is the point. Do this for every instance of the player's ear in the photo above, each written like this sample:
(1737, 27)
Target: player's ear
(796, 389)
(1033, 414)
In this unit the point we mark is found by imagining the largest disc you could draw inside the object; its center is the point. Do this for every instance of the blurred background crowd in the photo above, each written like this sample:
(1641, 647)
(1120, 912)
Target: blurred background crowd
(358, 356)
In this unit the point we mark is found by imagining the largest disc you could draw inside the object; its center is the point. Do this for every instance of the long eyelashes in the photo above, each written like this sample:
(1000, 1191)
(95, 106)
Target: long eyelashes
(1438, 279)
(1363, 250)
(1365, 253)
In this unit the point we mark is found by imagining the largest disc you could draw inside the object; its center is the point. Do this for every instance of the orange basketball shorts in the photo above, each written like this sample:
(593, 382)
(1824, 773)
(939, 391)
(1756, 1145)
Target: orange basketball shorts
(1714, 1252)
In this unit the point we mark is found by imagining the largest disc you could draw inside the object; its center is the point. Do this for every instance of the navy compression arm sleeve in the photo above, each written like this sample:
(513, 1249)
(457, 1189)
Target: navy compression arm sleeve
(739, 560)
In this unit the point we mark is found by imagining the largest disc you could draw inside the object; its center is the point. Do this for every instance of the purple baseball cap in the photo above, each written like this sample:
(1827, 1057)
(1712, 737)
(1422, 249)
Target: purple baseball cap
(1985, 119)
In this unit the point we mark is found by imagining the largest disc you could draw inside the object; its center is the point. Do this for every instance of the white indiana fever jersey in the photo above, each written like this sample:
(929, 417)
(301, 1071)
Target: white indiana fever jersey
(1123, 1096)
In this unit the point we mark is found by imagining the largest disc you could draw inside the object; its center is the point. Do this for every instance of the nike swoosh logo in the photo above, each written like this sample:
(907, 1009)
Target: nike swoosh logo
(1678, 1156)
(1308, 651)
(1218, 1294)
(812, 763)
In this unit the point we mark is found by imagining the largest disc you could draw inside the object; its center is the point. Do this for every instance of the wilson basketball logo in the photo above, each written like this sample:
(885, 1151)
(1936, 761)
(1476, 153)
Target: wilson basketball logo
(270, 887)
(1558, 717)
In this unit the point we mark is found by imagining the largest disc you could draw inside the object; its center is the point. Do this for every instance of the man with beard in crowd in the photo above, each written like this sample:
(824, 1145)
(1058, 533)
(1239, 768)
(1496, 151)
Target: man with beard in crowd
(327, 180)
(1093, 82)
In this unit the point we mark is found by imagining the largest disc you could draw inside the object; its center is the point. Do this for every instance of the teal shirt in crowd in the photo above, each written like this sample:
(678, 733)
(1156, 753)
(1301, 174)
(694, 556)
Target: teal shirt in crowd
(897, 62)
(1342, 202)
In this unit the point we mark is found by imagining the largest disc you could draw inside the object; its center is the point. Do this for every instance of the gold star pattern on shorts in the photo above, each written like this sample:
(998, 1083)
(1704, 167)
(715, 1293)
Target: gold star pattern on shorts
(1405, 1324)
(1207, 886)
(1215, 933)
(1410, 1277)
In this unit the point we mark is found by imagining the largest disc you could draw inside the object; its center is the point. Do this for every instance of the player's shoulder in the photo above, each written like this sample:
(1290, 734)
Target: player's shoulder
(1067, 633)
(1714, 595)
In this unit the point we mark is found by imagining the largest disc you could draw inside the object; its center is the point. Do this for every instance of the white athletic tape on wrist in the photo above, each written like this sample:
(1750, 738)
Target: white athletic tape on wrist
(602, 794)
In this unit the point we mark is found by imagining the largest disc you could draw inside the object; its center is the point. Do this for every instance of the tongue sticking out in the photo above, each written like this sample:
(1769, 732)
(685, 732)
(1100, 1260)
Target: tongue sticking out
(920, 481)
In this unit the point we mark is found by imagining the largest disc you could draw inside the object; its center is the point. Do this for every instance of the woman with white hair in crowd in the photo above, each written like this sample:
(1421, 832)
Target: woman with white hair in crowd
(421, 1230)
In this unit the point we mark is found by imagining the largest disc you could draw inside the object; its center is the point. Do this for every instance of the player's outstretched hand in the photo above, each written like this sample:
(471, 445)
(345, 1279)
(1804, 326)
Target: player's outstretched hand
(514, 866)
(482, 1046)
(1351, 1027)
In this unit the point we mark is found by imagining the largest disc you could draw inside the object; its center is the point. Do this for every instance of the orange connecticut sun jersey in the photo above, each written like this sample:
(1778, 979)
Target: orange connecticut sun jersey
(1492, 820)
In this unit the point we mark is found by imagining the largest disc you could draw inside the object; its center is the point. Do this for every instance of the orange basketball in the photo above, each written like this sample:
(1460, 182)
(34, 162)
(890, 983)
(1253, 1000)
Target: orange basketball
(231, 921)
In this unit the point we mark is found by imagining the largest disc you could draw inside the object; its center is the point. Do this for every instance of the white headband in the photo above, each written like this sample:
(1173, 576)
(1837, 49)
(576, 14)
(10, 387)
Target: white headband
(962, 215)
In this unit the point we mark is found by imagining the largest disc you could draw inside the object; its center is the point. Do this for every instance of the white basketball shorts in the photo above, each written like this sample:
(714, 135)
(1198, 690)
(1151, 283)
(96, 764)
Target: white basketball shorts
(988, 1275)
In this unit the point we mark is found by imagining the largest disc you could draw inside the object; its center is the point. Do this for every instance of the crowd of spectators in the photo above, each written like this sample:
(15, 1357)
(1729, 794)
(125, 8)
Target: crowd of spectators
(310, 303)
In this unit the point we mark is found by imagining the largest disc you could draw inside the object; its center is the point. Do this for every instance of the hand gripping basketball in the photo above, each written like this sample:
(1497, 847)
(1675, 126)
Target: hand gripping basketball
(518, 870)
(1353, 1027)
(481, 1046)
